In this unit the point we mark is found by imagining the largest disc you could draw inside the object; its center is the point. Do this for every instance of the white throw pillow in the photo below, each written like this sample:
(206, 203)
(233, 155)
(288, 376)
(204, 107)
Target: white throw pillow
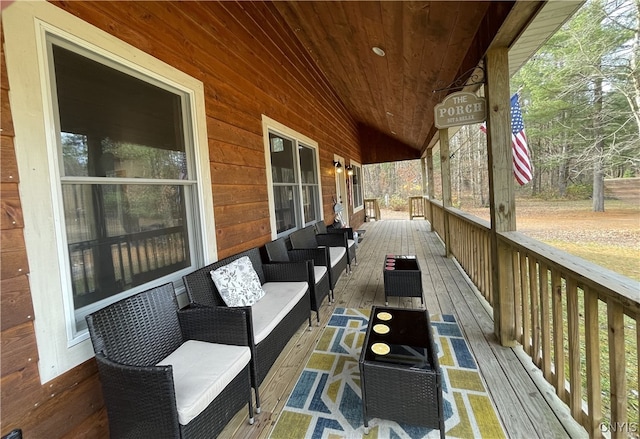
(238, 283)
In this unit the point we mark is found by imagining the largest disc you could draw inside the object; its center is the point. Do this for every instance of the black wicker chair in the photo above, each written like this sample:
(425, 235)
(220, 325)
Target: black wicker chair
(142, 340)
(334, 245)
(322, 228)
(276, 251)
(202, 291)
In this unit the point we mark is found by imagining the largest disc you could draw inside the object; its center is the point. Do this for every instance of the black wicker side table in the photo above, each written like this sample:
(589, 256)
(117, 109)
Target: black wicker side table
(399, 370)
(402, 277)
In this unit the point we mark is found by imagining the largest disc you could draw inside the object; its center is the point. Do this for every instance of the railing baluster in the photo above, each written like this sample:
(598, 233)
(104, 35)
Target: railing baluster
(592, 342)
(472, 245)
(543, 275)
(618, 381)
(558, 334)
(535, 310)
(487, 274)
(526, 313)
(86, 264)
(121, 262)
(575, 384)
(517, 296)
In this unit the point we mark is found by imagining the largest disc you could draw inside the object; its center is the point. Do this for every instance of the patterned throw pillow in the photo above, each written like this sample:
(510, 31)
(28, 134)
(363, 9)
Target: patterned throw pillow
(238, 283)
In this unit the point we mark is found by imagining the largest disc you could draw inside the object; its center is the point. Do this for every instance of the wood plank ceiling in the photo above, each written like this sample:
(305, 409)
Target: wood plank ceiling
(427, 45)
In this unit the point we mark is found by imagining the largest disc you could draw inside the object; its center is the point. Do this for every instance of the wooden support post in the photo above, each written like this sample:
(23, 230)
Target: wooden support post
(430, 186)
(501, 190)
(445, 167)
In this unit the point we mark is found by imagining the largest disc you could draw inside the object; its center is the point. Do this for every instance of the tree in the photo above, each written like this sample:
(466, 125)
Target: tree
(582, 117)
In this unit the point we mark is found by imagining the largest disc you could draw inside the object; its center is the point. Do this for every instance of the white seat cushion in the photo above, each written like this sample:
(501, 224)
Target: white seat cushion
(351, 242)
(336, 254)
(201, 371)
(319, 272)
(278, 300)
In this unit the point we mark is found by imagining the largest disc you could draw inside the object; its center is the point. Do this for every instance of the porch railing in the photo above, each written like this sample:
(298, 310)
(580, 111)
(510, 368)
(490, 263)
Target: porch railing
(576, 320)
(417, 207)
(371, 209)
(125, 261)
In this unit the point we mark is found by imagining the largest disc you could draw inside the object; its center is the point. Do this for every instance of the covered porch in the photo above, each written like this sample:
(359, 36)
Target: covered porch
(252, 69)
(526, 405)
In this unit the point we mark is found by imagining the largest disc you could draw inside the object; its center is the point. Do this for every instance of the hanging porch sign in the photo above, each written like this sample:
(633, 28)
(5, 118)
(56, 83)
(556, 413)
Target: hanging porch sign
(461, 108)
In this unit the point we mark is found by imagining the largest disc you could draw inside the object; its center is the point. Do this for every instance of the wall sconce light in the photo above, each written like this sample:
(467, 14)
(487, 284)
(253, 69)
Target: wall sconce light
(349, 170)
(338, 166)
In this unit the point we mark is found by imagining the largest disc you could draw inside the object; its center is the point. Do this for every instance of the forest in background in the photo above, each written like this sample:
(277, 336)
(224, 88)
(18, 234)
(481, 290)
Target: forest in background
(580, 98)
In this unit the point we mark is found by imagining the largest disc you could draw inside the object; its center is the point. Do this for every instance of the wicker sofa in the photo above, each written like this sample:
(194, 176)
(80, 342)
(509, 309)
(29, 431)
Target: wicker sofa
(333, 244)
(168, 373)
(316, 259)
(273, 320)
(350, 236)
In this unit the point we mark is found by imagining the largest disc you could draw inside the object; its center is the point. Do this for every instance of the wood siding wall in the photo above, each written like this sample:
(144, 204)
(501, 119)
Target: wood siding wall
(251, 64)
(71, 405)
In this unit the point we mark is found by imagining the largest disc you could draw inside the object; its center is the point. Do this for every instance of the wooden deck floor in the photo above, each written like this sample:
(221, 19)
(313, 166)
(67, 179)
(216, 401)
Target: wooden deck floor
(525, 410)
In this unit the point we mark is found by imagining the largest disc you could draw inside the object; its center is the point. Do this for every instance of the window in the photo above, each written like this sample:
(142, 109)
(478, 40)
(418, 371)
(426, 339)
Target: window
(111, 147)
(356, 186)
(309, 182)
(293, 170)
(124, 177)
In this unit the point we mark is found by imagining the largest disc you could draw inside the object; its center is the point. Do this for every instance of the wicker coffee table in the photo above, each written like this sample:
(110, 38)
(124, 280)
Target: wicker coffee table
(399, 369)
(402, 277)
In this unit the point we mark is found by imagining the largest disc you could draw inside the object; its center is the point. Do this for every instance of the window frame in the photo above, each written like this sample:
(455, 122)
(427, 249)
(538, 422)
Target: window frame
(192, 215)
(357, 165)
(272, 126)
(27, 28)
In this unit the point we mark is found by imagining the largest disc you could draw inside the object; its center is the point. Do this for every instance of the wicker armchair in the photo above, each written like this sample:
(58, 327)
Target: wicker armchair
(152, 386)
(335, 247)
(277, 251)
(202, 291)
(352, 244)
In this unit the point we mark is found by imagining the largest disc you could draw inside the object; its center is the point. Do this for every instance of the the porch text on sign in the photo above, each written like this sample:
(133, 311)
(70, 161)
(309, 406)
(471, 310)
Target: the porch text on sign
(462, 108)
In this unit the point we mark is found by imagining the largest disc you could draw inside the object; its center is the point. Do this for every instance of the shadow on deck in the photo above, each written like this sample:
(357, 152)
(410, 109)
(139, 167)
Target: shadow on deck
(526, 404)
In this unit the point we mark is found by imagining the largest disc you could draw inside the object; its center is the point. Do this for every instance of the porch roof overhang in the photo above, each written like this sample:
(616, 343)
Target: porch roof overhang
(428, 46)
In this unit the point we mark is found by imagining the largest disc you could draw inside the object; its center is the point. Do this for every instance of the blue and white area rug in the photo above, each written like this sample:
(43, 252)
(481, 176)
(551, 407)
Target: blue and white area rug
(326, 401)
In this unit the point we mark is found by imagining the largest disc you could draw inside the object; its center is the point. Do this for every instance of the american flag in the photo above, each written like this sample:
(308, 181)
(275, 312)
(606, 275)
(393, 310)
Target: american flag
(521, 159)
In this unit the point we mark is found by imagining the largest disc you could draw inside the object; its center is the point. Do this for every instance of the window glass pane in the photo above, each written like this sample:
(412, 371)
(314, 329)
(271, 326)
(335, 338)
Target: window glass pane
(121, 236)
(307, 164)
(295, 183)
(115, 125)
(310, 203)
(357, 186)
(282, 159)
(285, 198)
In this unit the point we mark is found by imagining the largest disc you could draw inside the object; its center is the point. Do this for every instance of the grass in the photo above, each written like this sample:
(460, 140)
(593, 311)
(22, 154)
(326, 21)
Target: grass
(625, 261)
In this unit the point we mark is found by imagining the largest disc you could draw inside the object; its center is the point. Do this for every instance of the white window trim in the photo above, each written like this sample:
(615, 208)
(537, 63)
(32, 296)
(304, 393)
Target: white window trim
(361, 207)
(25, 27)
(341, 188)
(275, 126)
